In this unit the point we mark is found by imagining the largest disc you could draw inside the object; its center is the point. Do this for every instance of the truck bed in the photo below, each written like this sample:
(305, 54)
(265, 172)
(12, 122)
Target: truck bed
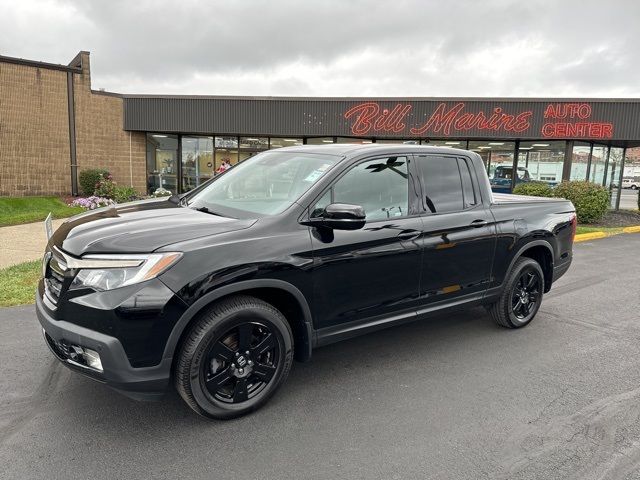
(509, 198)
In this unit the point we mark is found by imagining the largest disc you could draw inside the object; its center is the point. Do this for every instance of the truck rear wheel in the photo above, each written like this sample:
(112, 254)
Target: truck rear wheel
(234, 358)
(522, 295)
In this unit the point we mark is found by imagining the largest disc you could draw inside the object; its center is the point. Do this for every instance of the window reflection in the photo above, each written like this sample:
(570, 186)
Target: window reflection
(400, 141)
(614, 174)
(353, 140)
(379, 186)
(285, 142)
(579, 161)
(598, 160)
(447, 143)
(543, 161)
(319, 140)
(254, 143)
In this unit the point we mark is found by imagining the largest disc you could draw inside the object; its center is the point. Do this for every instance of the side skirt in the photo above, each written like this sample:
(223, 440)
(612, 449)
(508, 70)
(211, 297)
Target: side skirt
(328, 335)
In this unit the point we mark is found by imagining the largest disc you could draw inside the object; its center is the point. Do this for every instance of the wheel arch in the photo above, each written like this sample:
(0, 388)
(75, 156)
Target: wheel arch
(282, 295)
(542, 252)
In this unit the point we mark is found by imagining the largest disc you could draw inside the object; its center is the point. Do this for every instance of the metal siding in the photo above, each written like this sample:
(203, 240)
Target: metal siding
(325, 117)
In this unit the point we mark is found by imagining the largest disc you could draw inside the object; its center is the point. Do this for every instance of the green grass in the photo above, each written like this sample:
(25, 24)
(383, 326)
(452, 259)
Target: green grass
(18, 283)
(17, 210)
(609, 230)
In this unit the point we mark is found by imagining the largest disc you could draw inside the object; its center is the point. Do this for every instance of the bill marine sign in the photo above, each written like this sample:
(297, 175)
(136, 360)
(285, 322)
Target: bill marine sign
(554, 120)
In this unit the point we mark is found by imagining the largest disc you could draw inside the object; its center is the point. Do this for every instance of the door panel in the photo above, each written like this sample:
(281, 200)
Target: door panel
(368, 272)
(459, 232)
(458, 248)
(375, 270)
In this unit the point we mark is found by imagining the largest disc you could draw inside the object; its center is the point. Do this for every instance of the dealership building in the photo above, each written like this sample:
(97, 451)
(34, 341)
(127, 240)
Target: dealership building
(53, 125)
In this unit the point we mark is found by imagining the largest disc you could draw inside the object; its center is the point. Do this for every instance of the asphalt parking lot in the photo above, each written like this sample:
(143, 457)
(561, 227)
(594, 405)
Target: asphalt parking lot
(453, 397)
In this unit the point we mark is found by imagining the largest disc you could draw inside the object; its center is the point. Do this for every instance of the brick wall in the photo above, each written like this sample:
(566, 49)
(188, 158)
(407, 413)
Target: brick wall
(34, 132)
(101, 141)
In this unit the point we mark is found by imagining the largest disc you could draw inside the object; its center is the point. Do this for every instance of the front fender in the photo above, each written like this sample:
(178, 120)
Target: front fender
(239, 287)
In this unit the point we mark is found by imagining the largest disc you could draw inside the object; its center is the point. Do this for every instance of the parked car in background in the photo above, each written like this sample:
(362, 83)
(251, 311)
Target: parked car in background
(501, 180)
(631, 182)
(218, 290)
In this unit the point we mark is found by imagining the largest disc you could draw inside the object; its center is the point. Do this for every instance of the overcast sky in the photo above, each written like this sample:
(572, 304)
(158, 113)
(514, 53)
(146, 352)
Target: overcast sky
(338, 48)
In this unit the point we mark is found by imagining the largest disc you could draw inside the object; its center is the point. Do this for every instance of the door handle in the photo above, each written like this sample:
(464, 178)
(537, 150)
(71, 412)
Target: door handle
(409, 234)
(479, 223)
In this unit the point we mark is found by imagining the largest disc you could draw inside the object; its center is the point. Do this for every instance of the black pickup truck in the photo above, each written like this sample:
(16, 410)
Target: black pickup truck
(218, 290)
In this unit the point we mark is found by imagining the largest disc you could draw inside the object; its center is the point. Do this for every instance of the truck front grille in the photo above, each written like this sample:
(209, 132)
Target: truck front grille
(54, 277)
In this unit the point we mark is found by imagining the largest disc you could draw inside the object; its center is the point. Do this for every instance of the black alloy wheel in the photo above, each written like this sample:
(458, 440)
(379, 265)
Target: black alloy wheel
(241, 363)
(521, 295)
(234, 357)
(525, 294)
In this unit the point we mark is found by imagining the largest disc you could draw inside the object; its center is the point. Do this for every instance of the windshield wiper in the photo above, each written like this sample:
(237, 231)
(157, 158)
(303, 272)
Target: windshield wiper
(206, 210)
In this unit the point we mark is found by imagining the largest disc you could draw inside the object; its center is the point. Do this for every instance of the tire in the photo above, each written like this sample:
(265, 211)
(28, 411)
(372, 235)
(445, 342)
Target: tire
(520, 300)
(213, 373)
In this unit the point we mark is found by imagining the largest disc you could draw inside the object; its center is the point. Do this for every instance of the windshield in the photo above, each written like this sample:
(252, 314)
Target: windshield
(266, 184)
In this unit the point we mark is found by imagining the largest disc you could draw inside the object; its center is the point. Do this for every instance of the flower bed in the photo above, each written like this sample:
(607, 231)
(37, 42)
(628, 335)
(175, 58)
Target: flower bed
(92, 202)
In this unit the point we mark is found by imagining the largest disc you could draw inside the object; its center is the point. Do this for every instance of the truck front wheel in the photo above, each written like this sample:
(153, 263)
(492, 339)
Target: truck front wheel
(522, 295)
(234, 358)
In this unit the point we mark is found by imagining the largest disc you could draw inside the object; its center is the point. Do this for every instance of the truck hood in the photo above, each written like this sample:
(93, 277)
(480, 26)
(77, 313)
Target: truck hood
(139, 227)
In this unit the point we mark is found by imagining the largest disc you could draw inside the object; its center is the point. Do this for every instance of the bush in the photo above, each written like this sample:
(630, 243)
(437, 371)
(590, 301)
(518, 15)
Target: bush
(534, 189)
(590, 199)
(105, 187)
(89, 178)
(125, 194)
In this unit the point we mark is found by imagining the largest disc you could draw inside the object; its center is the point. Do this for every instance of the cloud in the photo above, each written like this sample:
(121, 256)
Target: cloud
(337, 48)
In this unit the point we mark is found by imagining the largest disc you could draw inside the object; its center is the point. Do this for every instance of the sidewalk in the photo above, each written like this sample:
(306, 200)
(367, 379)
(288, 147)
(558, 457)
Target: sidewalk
(23, 243)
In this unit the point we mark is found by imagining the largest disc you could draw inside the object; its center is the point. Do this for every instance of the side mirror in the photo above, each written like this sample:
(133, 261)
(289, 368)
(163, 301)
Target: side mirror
(340, 216)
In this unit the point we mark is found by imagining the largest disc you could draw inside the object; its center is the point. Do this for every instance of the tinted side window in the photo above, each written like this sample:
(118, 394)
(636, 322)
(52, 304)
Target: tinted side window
(381, 186)
(442, 184)
(467, 184)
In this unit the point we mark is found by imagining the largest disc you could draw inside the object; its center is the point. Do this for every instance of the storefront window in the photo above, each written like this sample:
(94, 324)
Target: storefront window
(401, 141)
(162, 162)
(446, 143)
(630, 179)
(197, 161)
(614, 174)
(225, 153)
(579, 161)
(353, 140)
(226, 142)
(254, 143)
(226, 156)
(543, 161)
(498, 158)
(284, 142)
(598, 161)
(245, 155)
(319, 140)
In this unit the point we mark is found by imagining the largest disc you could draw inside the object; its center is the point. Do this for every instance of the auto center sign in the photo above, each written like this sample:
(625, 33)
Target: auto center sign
(458, 119)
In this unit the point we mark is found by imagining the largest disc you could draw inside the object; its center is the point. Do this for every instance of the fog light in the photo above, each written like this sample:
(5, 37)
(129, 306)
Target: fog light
(92, 359)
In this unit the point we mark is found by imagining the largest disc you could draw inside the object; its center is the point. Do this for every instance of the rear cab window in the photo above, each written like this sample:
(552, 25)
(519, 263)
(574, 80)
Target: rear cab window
(447, 183)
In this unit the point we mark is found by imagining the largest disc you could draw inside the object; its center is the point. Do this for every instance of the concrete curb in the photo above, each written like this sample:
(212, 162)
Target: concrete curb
(583, 237)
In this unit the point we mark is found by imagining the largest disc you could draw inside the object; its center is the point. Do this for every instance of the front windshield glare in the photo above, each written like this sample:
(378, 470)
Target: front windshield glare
(266, 184)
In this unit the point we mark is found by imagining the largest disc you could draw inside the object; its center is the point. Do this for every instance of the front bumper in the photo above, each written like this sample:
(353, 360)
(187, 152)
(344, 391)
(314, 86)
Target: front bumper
(146, 383)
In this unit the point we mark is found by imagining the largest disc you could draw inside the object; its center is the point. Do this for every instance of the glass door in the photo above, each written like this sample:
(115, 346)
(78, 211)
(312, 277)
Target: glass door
(197, 161)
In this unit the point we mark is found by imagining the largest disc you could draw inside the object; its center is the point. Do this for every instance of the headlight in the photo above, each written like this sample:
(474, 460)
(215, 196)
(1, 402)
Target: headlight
(106, 272)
